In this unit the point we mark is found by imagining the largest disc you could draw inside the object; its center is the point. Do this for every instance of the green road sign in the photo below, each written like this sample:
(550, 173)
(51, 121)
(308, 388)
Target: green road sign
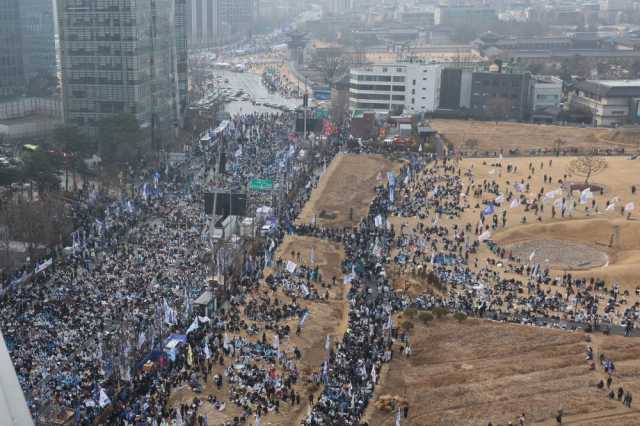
(261, 185)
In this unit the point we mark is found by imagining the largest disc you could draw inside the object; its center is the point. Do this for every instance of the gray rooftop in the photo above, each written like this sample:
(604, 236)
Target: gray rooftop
(618, 88)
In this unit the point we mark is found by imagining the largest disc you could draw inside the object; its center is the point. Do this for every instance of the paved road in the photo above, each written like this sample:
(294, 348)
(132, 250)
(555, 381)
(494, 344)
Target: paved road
(252, 85)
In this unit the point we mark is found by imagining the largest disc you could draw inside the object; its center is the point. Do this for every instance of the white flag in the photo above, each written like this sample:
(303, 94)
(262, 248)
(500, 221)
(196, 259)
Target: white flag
(611, 207)
(514, 203)
(141, 339)
(225, 342)
(207, 351)
(499, 199)
(374, 377)
(193, 326)
(585, 196)
(276, 342)
(327, 343)
(484, 236)
(532, 255)
(291, 267)
(104, 399)
(629, 207)
(558, 204)
(304, 318)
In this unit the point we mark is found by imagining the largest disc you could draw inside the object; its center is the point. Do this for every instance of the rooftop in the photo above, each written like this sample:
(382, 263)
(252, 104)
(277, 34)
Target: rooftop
(620, 88)
(618, 83)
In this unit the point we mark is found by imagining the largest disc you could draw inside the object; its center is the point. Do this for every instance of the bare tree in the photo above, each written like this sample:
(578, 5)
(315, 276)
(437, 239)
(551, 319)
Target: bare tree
(587, 166)
(331, 62)
(471, 144)
(499, 107)
(558, 144)
(339, 104)
(39, 224)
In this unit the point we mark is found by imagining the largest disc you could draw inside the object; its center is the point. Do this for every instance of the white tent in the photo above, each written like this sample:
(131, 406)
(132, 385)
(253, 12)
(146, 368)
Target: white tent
(13, 406)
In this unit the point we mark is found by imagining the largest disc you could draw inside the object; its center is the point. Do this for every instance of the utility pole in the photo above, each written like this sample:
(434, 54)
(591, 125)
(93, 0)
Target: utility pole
(305, 105)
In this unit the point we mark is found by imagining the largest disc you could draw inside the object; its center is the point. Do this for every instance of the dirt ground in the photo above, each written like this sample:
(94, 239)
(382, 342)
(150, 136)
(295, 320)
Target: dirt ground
(476, 372)
(349, 182)
(325, 318)
(596, 230)
(492, 137)
(623, 266)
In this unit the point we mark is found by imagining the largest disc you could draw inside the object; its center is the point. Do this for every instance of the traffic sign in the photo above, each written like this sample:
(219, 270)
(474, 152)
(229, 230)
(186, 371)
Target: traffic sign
(261, 185)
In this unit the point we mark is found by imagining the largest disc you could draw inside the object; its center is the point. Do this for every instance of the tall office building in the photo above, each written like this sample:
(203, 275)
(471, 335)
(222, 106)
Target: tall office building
(12, 81)
(218, 22)
(38, 37)
(337, 7)
(124, 56)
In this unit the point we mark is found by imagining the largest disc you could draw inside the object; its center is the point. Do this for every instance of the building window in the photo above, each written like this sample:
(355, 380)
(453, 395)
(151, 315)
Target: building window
(384, 69)
(414, 82)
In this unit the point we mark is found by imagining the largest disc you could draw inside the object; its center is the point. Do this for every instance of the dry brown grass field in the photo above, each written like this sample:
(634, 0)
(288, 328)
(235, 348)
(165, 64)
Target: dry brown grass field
(349, 182)
(475, 372)
(507, 135)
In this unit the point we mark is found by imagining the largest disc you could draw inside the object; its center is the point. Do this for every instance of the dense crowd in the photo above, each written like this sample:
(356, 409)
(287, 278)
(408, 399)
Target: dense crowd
(78, 330)
(277, 81)
(501, 286)
(112, 333)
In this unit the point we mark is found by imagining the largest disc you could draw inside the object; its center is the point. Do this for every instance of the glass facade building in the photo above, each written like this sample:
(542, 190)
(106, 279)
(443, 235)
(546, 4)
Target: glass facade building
(217, 22)
(38, 37)
(12, 82)
(124, 56)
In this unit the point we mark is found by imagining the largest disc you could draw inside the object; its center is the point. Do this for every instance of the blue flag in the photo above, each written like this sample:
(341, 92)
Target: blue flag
(489, 210)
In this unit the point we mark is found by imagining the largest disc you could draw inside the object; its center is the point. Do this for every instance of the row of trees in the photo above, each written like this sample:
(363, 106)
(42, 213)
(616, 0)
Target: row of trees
(119, 144)
(42, 222)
